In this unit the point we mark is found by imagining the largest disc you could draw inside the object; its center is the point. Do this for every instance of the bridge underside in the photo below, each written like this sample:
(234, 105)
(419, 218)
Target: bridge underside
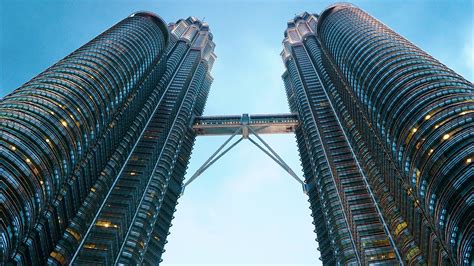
(260, 124)
(245, 125)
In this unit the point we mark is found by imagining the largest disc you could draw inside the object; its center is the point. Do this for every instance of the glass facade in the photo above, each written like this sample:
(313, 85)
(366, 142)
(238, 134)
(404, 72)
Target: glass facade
(93, 151)
(386, 141)
(95, 148)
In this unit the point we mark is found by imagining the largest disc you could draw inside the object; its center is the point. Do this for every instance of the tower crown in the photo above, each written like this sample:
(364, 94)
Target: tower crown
(196, 34)
(301, 26)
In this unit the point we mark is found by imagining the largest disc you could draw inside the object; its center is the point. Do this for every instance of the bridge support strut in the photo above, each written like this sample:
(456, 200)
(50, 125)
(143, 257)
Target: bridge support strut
(245, 131)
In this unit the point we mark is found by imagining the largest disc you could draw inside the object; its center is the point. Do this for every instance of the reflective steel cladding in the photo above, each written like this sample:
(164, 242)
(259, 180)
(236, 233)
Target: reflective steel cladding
(386, 142)
(95, 148)
(93, 151)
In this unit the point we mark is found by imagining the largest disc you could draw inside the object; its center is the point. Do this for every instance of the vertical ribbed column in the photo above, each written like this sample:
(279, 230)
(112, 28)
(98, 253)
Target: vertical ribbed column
(157, 240)
(417, 118)
(153, 235)
(320, 216)
(319, 173)
(51, 124)
(354, 229)
(133, 206)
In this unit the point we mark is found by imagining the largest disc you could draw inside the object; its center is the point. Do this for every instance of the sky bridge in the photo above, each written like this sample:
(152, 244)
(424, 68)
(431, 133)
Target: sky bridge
(245, 125)
(260, 124)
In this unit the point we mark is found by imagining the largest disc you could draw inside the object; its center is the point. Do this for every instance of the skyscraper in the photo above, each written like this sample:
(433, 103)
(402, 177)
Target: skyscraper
(94, 149)
(386, 141)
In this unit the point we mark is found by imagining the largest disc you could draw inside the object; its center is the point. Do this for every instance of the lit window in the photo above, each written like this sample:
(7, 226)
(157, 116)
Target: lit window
(427, 117)
(89, 246)
(469, 160)
(412, 253)
(74, 234)
(13, 148)
(446, 136)
(105, 224)
(58, 256)
(64, 123)
(400, 228)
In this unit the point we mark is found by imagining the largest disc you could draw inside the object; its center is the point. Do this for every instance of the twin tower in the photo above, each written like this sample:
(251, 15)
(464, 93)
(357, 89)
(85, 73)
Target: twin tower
(93, 151)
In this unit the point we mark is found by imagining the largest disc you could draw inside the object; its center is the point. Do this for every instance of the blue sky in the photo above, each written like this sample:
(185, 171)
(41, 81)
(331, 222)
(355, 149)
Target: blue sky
(244, 209)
